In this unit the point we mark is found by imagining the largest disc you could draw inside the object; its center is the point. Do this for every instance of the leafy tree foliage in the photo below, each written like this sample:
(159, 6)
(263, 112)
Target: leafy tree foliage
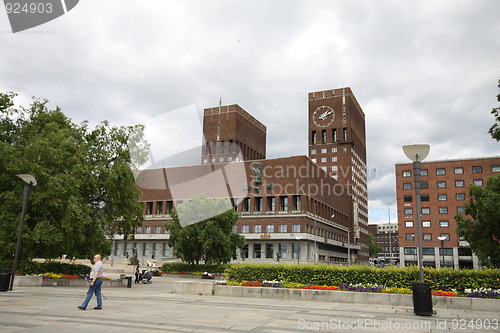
(482, 230)
(373, 248)
(211, 240)
(494, 130)
(86, 187)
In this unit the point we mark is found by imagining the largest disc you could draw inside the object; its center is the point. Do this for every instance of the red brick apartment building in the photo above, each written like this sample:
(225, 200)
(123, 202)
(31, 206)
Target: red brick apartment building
(292, 209)
(445, 190)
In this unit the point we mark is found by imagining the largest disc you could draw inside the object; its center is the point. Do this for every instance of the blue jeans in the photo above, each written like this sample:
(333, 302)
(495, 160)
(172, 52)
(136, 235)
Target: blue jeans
(95, 289)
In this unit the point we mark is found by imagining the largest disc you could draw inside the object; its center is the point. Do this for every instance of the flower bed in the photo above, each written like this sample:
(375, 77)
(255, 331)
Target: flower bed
(55, 276)
(476, 293)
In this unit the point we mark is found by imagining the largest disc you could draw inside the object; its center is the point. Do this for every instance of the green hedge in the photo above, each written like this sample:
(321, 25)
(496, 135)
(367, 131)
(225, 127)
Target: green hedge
(444, 279)
(33, 268)
(176, 267)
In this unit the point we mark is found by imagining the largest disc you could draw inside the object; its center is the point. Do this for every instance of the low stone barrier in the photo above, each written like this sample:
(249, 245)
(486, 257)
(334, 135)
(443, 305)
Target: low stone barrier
(445, 302)
(38, 281)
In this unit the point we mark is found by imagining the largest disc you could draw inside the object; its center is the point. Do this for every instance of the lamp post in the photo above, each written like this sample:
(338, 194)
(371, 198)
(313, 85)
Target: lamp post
(348, 247)
(31, 181)
(422, 298)
(298, 249)
(442, 238)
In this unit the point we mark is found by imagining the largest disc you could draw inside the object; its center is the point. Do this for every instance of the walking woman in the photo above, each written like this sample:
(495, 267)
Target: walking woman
(95, 284)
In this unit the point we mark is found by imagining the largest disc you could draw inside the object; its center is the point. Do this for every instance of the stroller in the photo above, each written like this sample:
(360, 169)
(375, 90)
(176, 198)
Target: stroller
(146, 277)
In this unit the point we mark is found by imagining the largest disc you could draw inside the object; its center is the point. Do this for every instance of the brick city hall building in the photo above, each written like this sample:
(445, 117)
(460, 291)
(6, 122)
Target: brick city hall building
(444, 192)
(293, 209)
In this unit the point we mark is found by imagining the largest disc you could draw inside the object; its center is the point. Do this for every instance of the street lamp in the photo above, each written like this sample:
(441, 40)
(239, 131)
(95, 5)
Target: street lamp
(31, 181)
(348, 247)
(442, 239)
(298, 249)
(422, 298)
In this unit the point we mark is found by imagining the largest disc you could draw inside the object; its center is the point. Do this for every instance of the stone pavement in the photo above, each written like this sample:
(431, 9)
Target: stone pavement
(153, 308)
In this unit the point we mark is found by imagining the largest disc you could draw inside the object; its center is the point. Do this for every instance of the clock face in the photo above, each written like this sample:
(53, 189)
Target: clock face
(323, 116)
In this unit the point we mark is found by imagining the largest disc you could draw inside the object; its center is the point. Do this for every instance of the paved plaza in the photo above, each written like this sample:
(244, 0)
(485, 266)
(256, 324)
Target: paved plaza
(153, 308)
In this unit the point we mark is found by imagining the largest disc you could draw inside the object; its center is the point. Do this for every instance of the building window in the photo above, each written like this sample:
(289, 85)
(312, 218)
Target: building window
(314, 160)
(427, 237)
(314, 151)
(257, 228)
(441, 184)
(323, 136)
(313, 137)
(459, 183)
(284, 203)
(426, 210)
(407, 173)
(442, 197)
(271, 201)
(428, 250)
(461, 210)
(424, 172)
(460, 196)
(443, 210)
(424, 197)
(406, 186)
(138, 230)
(409, 237)
(408, 211)
(334, 159)
(426, 224)
(477, 169)
(258, 204)
(257, 247)
(410, 250)
(246, 205)
(283, 228)
(409, 224)
(157, 230)
(159, 207)
(147, 230)
(334, 135)
(444, 224)
(283, 250)
(323, 160)
(269, 251)
(447, 251)
(478, 182)
(407, 198)
(344, 134)
(296, 228)
(245, 229)
(334, 150)
(495, 168)
(296, 202)
(446, 236)
(270, 228)
(459, 170)
(149, 208)
(440, 171)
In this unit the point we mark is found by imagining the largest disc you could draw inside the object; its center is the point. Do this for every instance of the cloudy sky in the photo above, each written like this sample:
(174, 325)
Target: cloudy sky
(423, 71)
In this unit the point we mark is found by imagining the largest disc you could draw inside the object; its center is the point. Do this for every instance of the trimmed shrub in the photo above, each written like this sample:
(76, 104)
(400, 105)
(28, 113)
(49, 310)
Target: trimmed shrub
(176, 267)
(33, 268)
(397, 277)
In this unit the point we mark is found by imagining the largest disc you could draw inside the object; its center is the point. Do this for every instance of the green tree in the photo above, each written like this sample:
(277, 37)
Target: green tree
(373, 248)
(494, 130)
(86, 187)
(482, 229)
(211, 240)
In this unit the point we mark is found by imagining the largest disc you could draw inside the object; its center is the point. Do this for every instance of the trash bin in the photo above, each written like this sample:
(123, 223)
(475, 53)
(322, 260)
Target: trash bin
(422, 298)
(129, 282)
(5, 279)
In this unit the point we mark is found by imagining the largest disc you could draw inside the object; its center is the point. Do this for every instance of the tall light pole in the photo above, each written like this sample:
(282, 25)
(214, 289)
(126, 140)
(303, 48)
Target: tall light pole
(349, 247)
(31, 181)
(422, 298)
(442, 238)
